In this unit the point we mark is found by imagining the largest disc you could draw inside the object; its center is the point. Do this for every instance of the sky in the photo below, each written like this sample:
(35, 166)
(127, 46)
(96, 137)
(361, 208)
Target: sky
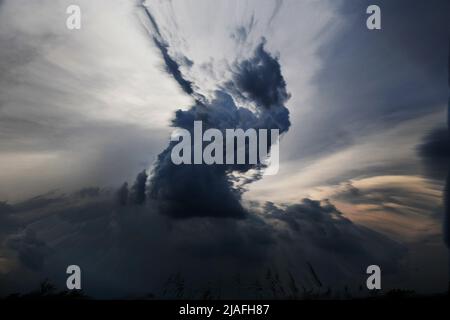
(85, 123)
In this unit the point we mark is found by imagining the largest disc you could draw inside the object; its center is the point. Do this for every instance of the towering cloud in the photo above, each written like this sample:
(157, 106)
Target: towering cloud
(207, 190)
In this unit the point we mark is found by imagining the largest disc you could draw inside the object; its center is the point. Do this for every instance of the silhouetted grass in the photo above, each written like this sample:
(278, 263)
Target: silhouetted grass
(47, 291)
(270, 287)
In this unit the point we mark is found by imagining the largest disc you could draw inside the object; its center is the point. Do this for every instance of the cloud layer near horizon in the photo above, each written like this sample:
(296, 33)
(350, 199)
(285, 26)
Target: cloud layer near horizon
(45, 234)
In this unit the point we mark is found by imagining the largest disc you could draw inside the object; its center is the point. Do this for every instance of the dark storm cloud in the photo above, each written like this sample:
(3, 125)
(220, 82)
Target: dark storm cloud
(259, 80)
(206, 190)
(135, 249)
(184, 191)
(200, 190)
